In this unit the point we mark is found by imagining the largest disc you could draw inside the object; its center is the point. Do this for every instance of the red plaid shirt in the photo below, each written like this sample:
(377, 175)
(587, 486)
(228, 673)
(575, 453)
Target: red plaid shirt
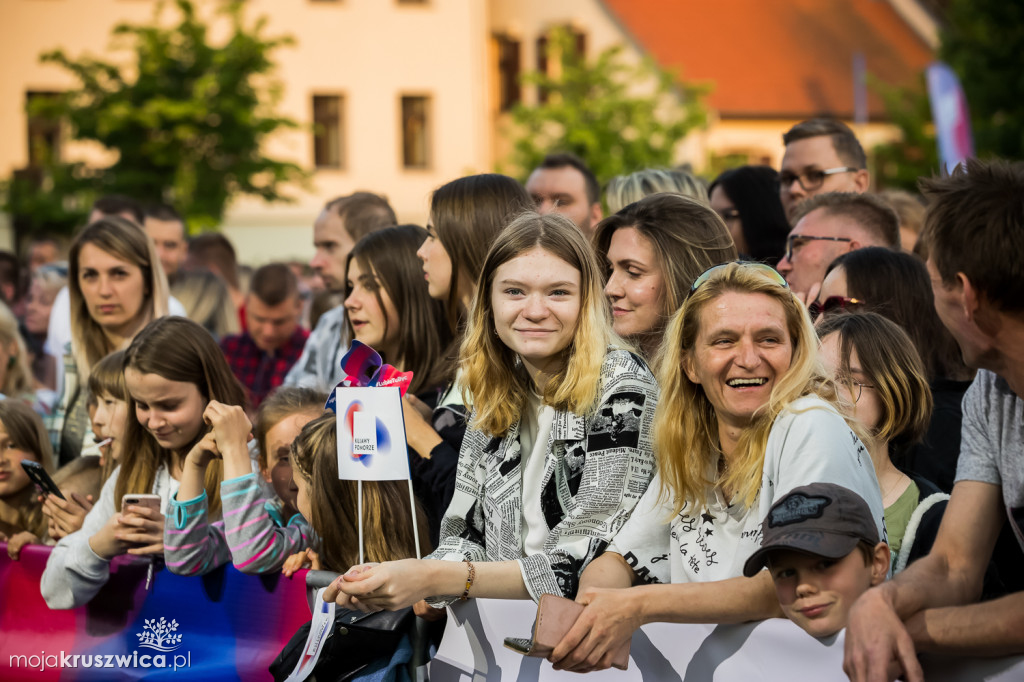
(261, 372)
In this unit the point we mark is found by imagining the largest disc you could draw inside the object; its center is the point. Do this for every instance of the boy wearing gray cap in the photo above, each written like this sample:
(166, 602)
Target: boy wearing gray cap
(821, 544)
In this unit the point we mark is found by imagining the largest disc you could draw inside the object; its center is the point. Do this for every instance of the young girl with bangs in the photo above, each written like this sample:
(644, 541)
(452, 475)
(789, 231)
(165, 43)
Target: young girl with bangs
(173, 370)
(883, 381)
(22, 436)
(82, 479)
(257, 535)
(558, 451)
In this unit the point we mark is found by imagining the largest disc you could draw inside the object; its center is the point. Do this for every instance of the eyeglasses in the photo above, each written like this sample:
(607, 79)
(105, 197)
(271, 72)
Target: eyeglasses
(832, 303)
(795, 242)
(856, 387)
(760, 267)
(811, 179)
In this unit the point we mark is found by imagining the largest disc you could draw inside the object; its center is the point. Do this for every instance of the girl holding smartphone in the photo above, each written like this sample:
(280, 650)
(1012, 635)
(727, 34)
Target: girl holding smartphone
(173, 369)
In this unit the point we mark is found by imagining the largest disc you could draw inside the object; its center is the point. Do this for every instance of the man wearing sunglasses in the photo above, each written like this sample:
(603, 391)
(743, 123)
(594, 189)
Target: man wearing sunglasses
(828, 226)
(822, 155)
(974, 240)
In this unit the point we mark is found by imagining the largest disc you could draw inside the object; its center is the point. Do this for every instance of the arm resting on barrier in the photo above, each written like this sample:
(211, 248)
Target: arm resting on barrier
(394, 585)
(612, 615)
(993, 628)
(950, 576)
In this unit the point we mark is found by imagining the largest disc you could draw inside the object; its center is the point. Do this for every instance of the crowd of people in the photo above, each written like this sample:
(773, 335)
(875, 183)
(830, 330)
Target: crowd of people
(775, 395)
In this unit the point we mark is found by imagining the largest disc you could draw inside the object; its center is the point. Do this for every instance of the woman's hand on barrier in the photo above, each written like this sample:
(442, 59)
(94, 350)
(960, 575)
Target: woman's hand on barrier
(300, 560)
(66, 516)
(389, 586)
(609, 620)
(143, 530)
(18, 541)
(334, 593)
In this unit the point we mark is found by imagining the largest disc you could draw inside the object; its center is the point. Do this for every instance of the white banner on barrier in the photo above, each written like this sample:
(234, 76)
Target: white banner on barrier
(771, 651)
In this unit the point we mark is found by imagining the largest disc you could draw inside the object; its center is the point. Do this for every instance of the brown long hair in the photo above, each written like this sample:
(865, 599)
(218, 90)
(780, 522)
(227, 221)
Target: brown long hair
(387, 521)
(26, 430)
(687, 236)
(176, 349)
(126, 241)
(467, 214)
(423, 333)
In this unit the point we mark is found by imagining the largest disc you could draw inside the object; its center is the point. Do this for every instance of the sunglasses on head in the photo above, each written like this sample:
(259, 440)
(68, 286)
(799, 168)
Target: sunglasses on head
(760, 267)
(832, 303)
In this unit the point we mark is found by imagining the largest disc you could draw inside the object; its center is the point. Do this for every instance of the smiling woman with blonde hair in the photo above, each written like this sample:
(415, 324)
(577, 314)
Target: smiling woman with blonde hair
(558, 451)
(747, 413)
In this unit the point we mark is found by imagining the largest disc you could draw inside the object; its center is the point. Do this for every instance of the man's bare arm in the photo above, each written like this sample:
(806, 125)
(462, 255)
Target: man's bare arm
(993, 628)
(950, 576)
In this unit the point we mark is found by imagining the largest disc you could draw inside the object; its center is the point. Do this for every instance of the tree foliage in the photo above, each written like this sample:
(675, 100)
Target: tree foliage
(983, 41)
(616, 116)
(187, 119)
(898, 165)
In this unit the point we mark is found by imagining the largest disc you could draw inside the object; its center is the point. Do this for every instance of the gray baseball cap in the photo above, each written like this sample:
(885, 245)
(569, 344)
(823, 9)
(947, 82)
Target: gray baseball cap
(823, 519)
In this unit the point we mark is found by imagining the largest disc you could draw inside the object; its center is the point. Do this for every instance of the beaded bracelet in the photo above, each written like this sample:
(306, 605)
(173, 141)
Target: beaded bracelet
(469, 579)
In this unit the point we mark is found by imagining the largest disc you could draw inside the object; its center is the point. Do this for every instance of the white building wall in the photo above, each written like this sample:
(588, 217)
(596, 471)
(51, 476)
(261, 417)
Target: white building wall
(370, 51)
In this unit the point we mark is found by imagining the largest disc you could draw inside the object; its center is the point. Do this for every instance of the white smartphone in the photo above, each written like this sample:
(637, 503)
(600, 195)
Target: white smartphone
(138, 500)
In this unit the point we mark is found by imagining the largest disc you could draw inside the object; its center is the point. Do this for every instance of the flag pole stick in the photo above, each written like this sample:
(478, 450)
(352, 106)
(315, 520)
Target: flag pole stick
(415, 523)
(359, 513)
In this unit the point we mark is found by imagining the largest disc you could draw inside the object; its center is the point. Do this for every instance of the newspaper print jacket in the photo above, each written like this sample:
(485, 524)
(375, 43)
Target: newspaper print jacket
(597, 468)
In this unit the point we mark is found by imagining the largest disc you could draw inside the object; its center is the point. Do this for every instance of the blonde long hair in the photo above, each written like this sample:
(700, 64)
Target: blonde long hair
(176, 349)
(387, 521)
(685, 423)
(496, 384)
(126, 241)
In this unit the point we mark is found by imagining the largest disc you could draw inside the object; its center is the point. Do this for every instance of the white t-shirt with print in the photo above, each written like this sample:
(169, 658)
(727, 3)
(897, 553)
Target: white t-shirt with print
(809, 442)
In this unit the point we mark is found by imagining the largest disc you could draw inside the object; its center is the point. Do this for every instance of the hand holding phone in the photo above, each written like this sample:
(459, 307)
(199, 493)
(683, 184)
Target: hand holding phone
(37, 474)
(142, 523)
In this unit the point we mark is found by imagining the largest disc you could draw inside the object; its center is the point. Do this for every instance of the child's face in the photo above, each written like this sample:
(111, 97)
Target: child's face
(816, 593)
(13, 478)
(302, 496)
(109, 422)
(279, 468)
(171, 411)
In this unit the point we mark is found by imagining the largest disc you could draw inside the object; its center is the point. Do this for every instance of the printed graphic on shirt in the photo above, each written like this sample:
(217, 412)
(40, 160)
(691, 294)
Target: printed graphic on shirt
(618, 423)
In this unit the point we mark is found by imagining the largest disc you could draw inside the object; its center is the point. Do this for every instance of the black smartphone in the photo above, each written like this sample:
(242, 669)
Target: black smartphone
(38, 474)
(520, 645)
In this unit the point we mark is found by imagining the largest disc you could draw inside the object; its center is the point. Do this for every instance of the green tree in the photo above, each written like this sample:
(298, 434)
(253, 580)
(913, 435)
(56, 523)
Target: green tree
(898, 165)
(983, 41)
(616, 116)
(187, 119)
